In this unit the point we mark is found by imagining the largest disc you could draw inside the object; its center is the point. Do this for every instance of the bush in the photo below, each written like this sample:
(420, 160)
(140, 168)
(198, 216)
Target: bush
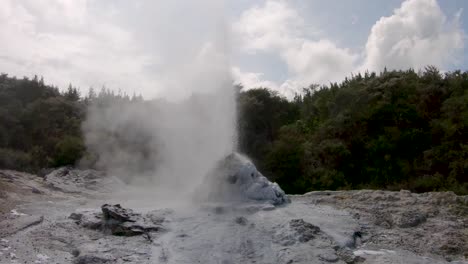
(68, 151)
(15, 160)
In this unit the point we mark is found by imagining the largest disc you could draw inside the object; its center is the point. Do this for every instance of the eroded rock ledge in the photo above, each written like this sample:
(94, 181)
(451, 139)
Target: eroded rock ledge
(118, 221)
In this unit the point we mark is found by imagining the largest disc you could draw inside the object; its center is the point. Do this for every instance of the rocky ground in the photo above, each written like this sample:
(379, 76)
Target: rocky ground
(60, 218)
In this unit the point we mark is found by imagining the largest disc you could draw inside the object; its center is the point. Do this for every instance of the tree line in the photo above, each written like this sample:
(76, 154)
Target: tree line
(391, 130)
(40, 126)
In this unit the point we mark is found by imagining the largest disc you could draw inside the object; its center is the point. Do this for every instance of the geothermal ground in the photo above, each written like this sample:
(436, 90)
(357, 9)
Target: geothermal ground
(58, 219)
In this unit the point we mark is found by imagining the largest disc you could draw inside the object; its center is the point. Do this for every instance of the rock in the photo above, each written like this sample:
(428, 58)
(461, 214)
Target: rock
(328, 257)
(93, 222)
(296, 230)
(455, 243)
(410, 219)
(119, 221)
(383, 219)
(75, 253)
(87, 259)
(36, 191)
(306, 231)
(315, 228)
(76, 216)
(236, 178)
(355, 240)
(241, 220)
(116, 212)
(123, 222)
(347, 256)
(219, 210)
(72, 181)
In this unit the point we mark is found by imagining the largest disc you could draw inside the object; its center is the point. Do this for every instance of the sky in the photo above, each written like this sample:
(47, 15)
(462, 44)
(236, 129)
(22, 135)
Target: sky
(160, 48)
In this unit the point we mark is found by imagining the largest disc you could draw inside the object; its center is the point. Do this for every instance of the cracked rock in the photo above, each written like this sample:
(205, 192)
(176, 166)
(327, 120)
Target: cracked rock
(118, 221)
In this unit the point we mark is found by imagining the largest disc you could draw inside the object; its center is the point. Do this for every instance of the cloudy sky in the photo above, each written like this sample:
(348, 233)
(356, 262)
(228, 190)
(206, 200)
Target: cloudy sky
(158, 47)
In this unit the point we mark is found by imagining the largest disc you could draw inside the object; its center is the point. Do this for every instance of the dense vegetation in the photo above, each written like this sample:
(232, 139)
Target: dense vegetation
(40, 127)
(396, 129)
(399, 129)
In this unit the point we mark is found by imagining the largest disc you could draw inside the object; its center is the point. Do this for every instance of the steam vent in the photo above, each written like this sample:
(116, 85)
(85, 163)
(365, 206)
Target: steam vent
(236, 179)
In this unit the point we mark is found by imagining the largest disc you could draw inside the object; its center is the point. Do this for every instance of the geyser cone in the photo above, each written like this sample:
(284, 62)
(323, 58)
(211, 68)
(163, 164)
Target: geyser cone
(236, 179)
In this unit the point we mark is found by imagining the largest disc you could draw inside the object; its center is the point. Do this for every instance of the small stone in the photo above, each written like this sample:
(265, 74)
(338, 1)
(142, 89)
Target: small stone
(87, 259)
(75, 253)
(35, 190)
(306, 231)
(241, 220)
(328, 257)
(219, 210)
(411, 219)
(76, 216)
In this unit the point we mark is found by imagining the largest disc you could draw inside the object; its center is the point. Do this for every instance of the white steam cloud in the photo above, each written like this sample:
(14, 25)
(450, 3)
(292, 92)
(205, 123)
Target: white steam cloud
(170, 143)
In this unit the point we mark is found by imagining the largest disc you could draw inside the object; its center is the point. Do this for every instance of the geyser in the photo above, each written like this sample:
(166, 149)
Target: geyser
(170, 143)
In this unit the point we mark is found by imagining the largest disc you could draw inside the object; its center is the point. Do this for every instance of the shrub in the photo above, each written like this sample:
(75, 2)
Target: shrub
(68, 151)
(14, 159)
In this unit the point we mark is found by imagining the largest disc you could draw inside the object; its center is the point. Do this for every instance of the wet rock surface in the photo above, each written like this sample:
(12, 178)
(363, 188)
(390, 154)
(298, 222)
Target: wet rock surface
(66, 222)
(237, 178)
(119, 221)
(427, 224)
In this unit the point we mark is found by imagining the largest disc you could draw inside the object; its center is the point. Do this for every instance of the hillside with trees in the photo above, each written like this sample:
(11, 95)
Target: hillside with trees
(398, 129)
(39, 126)
(393, 130)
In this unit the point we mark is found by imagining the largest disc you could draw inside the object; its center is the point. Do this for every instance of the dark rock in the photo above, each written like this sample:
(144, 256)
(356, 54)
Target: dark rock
(355, 239)
(219, 210)
(306, 231)
(411, 219)
(118, 221)
(116, 212)
(35, 190)
(93, 222)
(241, 220)
(75, 253)
(87, 259)
(235, 177)
(76, 216)
(347, 256)
(383, 219)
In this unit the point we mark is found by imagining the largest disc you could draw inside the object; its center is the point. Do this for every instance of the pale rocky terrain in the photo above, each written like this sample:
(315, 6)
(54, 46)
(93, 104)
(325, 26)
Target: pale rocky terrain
(58, 219)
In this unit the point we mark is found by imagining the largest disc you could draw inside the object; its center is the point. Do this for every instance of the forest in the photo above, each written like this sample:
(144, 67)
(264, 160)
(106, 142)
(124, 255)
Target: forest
(389, 130)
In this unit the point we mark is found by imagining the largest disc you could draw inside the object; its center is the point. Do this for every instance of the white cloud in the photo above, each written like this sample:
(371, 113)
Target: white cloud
(64, 43)
(153, 48)
(251, 79)
(416, 35)
(276, 27)
(318, 62)
(273, 26)
(148, 46)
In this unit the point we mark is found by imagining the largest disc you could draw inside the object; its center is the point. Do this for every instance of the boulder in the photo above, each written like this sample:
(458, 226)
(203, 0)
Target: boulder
(296, 231)
(118, 221)
(236, 178)
(410, 219)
